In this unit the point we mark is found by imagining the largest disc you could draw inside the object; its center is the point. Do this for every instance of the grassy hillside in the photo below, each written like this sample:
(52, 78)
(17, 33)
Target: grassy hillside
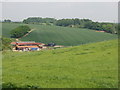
(60, 35)
(86, 66)
(7, 27)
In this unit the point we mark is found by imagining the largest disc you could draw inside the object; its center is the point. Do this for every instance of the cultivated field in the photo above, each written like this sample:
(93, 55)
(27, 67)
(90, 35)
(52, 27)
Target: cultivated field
(86, 66)
(60, 35)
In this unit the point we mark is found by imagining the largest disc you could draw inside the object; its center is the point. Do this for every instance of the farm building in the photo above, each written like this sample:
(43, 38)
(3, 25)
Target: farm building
(27, 46)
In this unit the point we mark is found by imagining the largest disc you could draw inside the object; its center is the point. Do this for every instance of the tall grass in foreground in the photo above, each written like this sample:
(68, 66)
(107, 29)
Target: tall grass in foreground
(86, 66)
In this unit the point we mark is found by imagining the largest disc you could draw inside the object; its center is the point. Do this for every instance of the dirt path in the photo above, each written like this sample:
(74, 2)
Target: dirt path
(27, 33)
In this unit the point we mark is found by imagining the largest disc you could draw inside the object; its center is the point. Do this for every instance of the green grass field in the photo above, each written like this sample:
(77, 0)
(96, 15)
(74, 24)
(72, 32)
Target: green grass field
(7, 27)
(59, 35)
(86, 66)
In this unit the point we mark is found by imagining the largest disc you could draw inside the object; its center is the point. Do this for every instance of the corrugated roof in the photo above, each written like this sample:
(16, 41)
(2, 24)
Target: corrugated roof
(29, 43)
(27, 46)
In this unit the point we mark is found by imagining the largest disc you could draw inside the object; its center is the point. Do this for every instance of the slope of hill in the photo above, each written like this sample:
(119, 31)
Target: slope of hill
(7, 27)
(86, 66)
(60, 35)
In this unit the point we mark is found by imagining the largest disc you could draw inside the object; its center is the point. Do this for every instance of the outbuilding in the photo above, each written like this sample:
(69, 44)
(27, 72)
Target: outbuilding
(26, 46)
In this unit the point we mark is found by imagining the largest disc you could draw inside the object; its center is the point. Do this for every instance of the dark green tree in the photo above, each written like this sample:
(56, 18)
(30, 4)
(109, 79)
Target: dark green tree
(7, 20)
(19, 31)
(38, 20)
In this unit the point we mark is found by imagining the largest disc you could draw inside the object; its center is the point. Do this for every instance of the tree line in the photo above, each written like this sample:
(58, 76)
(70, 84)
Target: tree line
(78, 23)
(86, 23)
(38, 20)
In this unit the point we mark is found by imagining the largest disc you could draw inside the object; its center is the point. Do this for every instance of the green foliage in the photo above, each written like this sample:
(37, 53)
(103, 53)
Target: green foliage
(7, 20)
(118, 30)
(65, 22)
(5, 42)
(86, 23)
(86, 66)
(107, 27)
(19, 31)
(37, 20)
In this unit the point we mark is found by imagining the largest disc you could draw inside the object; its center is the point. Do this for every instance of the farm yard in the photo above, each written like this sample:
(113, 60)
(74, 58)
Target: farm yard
(63, 68)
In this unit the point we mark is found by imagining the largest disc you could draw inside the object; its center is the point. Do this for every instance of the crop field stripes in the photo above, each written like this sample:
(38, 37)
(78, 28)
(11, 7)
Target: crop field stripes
(65, 36)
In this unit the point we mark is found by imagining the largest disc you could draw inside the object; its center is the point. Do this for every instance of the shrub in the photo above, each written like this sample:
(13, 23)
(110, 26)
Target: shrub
(5, 43)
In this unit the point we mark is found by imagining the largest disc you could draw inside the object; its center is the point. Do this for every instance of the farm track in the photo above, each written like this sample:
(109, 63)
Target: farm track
(27, 33)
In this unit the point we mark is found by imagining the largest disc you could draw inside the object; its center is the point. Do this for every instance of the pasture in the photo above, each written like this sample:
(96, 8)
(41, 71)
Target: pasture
(60, 35)
(85, 66)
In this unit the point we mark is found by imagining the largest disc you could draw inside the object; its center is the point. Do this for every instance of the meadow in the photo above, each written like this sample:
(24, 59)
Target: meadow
(60, 35)
(92, 65)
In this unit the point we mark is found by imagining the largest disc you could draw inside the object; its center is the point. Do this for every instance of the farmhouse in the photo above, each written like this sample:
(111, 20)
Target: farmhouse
(27, 46)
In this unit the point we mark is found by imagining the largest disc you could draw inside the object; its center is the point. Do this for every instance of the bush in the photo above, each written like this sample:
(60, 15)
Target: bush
(19, 31)
(5, 43)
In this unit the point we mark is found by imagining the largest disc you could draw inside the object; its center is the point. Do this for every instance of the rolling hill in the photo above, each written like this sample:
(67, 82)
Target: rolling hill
(86, 66)
(60, 35)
